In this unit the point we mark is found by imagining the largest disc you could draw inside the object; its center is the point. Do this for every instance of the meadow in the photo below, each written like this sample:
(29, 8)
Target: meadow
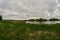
(18, 30)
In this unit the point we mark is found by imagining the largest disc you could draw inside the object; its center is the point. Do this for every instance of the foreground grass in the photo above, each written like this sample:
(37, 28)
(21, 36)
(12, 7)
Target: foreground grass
(23, 31)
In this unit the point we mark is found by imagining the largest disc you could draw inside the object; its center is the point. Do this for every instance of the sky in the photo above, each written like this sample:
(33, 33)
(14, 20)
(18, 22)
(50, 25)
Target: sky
(28, 9)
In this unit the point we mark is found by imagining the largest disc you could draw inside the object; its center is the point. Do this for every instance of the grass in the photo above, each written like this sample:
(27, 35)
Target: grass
(23, 31)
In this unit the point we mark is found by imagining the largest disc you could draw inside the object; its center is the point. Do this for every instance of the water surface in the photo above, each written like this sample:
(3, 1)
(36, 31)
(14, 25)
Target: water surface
(43, 22)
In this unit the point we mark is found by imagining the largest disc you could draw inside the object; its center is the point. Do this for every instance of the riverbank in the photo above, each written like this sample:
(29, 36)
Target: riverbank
(24, 31)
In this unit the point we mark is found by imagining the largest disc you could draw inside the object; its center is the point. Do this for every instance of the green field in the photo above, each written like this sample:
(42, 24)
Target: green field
(23, 31)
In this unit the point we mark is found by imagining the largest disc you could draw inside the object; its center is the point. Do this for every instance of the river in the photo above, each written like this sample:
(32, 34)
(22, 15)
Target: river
(43, 22)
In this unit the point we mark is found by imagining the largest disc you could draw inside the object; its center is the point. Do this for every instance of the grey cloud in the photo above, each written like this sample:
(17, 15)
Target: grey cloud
(26, 8)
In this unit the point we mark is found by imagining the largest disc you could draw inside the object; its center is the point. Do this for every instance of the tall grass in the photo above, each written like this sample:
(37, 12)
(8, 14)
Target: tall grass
(23, 31)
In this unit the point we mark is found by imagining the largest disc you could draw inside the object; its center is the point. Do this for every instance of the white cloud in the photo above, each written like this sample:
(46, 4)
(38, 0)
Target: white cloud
(25, 9)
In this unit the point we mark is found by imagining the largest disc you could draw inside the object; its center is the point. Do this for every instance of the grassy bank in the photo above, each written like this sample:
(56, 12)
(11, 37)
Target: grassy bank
(22, 31)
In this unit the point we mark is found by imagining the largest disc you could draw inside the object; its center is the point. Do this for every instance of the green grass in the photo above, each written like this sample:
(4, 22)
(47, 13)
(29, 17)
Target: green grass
(23, 31)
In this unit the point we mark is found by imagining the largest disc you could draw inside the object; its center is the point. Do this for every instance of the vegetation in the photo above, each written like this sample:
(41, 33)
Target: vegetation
(0, 17)
(22, 31)
(41, 19)
(54, 19)
(31, 20)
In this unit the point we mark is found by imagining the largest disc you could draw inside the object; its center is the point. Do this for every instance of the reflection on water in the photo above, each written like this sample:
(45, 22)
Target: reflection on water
(44, 22)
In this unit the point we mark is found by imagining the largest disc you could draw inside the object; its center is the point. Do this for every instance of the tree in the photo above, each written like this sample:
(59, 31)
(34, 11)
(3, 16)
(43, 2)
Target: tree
(54, 19)
(41, 19)
(0, 17)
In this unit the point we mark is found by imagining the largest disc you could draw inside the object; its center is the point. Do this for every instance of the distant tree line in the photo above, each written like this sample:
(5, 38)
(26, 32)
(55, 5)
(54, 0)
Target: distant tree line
(54, 19)
(41, 19)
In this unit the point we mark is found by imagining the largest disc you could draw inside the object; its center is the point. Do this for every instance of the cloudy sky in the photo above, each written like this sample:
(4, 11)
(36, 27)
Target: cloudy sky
(27, 9)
